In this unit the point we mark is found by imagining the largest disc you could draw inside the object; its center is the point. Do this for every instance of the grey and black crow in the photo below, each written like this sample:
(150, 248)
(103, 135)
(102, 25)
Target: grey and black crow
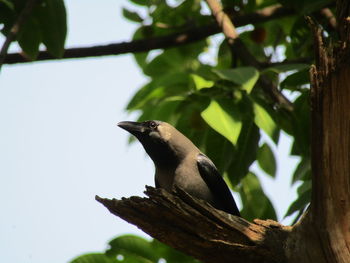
(179, 162)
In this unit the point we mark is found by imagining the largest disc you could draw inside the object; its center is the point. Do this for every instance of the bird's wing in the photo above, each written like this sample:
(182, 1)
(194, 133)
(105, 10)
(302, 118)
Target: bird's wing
(216, 184)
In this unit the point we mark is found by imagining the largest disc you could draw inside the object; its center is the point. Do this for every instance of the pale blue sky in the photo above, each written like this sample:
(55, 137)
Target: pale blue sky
(59, 145)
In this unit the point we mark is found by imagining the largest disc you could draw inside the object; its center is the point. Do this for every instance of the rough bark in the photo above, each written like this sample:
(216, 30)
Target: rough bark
(330, 207)
(323, 236)
(196, 228)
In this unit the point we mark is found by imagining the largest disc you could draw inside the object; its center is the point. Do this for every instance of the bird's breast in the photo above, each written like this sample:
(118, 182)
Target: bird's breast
(165, 178)
(186, 176)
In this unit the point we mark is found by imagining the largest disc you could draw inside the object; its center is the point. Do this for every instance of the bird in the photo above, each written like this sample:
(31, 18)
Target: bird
(178, 162)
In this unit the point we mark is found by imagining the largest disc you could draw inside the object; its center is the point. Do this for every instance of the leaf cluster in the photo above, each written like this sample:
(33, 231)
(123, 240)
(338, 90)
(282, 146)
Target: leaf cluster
(46, 25)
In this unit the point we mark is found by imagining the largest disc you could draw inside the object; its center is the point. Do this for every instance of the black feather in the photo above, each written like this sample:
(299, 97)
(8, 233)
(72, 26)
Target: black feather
(224, 199)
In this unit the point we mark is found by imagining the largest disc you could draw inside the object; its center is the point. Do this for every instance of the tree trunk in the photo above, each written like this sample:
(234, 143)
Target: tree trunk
(330, 206)
(323, 233)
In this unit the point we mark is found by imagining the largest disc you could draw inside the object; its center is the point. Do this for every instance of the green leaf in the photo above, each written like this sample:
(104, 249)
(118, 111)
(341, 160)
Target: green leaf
(265, 122)
(245, 153)
(288, 67)
(132, 16)
(170, 255)
(144, 95)
(301, 40)
(29, 38)
(295, 80)
(218, 149)
(267, 32)
(266, 160)
(171, 84)
(200, 83)
(189, 120)
(163, 112)
(224, 56)
(246, 77)
(311, 6)
(175, 16)
(180, 59)
(224, 117)
(303, 168)
(306, 7)
(258, 51)
(141, 2)
(8, 4)
(301, 126)
(140, 57)
(206, 72)
(51, 15)
(94, 258)
(305, 187)
(7, 16)
(304, 197)
(131, 245)
(255, 203)
(163, 64)
(167, 108)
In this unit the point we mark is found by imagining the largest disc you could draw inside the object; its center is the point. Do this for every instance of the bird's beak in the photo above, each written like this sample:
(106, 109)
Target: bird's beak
(134, 128)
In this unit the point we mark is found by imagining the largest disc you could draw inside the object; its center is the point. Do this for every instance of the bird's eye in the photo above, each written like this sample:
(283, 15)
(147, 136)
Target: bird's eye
(153, 125)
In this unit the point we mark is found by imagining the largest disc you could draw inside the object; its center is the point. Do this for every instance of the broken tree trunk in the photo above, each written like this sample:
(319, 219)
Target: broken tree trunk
(194, 227)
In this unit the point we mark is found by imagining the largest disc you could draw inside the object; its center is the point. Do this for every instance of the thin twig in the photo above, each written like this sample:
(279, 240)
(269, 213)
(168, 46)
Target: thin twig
(223, 20)
(26, 11)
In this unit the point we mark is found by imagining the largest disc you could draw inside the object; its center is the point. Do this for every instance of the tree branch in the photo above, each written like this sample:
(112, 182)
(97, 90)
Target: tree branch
(27, 9)
(223, 20)
(172, 40)
(194, 227)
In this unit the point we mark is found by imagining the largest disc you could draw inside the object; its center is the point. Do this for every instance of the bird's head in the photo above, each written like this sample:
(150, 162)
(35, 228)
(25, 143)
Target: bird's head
(150, 132)
(162, 142)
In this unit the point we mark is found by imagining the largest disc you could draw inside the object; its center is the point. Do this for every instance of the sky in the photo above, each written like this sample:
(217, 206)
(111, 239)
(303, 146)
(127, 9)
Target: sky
(60, 146)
